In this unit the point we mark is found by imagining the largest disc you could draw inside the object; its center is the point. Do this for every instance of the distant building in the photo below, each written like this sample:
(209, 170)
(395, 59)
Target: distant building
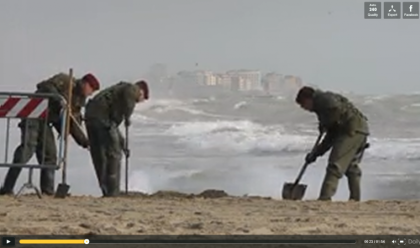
(246, 80)
(272, 82)
(292, 84)
(236, 80)
(204, 78)
(223, 80)
(226, 80)
(292, 81)
(200, 77)
(209, 79)
(185, 78)
(235, 83)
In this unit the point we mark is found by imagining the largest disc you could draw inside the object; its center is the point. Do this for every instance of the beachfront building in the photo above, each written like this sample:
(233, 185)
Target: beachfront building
(209, 79)
(292, 84)
(272, 82)
(245, 80)
(224, 80)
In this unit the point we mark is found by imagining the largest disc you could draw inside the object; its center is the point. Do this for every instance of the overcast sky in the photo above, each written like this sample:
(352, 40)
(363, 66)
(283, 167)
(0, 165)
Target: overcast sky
(120, 39)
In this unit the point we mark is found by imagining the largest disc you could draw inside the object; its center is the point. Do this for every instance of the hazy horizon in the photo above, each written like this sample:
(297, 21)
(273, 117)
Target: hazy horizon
(327, 43)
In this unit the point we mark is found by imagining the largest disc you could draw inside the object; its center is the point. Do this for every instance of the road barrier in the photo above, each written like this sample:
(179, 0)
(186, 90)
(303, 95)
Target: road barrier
(26, 106)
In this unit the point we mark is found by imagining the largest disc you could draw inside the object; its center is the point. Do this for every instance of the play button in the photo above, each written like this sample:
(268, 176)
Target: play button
(8, 241)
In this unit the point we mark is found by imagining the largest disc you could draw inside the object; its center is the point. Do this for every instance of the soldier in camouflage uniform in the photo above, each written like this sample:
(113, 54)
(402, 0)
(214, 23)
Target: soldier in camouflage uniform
(104, 113)
(346, 135)
(35, 138)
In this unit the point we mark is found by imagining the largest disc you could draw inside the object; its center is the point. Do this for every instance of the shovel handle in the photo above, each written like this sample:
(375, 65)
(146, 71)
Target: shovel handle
(67, 130)
(126, 160)
(302, 171)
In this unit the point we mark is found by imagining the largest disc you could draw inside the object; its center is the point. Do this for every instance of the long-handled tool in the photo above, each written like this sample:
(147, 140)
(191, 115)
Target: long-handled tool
(296, 191)
(63, 187)
(127, 155)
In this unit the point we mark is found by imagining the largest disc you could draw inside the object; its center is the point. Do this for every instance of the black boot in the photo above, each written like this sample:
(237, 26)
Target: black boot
(10, 181)
(47, 181)
(3, 191)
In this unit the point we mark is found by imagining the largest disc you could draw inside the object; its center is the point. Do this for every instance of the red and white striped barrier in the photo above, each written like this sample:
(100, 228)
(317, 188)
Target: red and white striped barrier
(22, 107)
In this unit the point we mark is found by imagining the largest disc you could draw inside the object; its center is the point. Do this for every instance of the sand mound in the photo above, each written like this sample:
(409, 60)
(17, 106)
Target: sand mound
(210, 193)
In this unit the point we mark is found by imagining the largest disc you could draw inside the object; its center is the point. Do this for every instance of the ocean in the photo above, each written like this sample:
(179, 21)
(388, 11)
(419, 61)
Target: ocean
(248, 145)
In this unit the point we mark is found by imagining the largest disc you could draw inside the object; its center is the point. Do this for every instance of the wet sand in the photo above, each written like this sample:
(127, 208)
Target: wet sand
(210, 213)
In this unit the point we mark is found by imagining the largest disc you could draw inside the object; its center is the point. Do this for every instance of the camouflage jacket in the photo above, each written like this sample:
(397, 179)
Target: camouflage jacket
(59, 84)
(113, 105)
(337, 115)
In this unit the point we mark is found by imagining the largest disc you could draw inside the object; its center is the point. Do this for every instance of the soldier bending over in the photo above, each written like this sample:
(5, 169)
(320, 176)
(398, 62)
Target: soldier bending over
(346, 135)
(104, 113)
(33, 138)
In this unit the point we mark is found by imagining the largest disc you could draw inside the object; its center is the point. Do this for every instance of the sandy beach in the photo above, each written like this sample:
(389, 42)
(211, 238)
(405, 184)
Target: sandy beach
(208, 213)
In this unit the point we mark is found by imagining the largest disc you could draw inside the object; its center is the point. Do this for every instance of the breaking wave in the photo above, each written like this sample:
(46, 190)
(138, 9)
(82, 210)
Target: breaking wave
(247, 136)
(177, 109)
(240, 105)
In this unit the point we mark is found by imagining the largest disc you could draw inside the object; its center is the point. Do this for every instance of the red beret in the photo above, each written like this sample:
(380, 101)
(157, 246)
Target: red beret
(143, 86)
(92, 81)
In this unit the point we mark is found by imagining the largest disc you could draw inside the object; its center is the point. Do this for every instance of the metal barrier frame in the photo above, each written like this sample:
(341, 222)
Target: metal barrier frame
(61, 159)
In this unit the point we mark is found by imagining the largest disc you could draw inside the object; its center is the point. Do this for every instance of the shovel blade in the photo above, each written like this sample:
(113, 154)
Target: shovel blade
(62, 190)
(293, 192)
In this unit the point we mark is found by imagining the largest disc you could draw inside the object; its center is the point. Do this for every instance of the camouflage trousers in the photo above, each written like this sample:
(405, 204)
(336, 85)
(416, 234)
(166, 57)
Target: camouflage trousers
(36, 137)
(106, 154)
(345, 157)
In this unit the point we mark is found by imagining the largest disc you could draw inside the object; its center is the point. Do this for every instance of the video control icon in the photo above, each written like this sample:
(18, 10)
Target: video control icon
(8, 241)
(400, 241)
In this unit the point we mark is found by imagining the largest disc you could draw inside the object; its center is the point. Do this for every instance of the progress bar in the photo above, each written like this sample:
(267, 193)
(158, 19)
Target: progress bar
(53, 241)
(230, 241)
(162, 241)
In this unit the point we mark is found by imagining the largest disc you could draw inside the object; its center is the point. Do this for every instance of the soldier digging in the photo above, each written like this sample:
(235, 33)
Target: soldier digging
(346, 131)
(104, 114)
(35, 138)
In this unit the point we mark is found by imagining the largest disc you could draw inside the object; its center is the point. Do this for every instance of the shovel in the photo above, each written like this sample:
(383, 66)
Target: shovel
(127, 155)
(63, 187)
(296, 191)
